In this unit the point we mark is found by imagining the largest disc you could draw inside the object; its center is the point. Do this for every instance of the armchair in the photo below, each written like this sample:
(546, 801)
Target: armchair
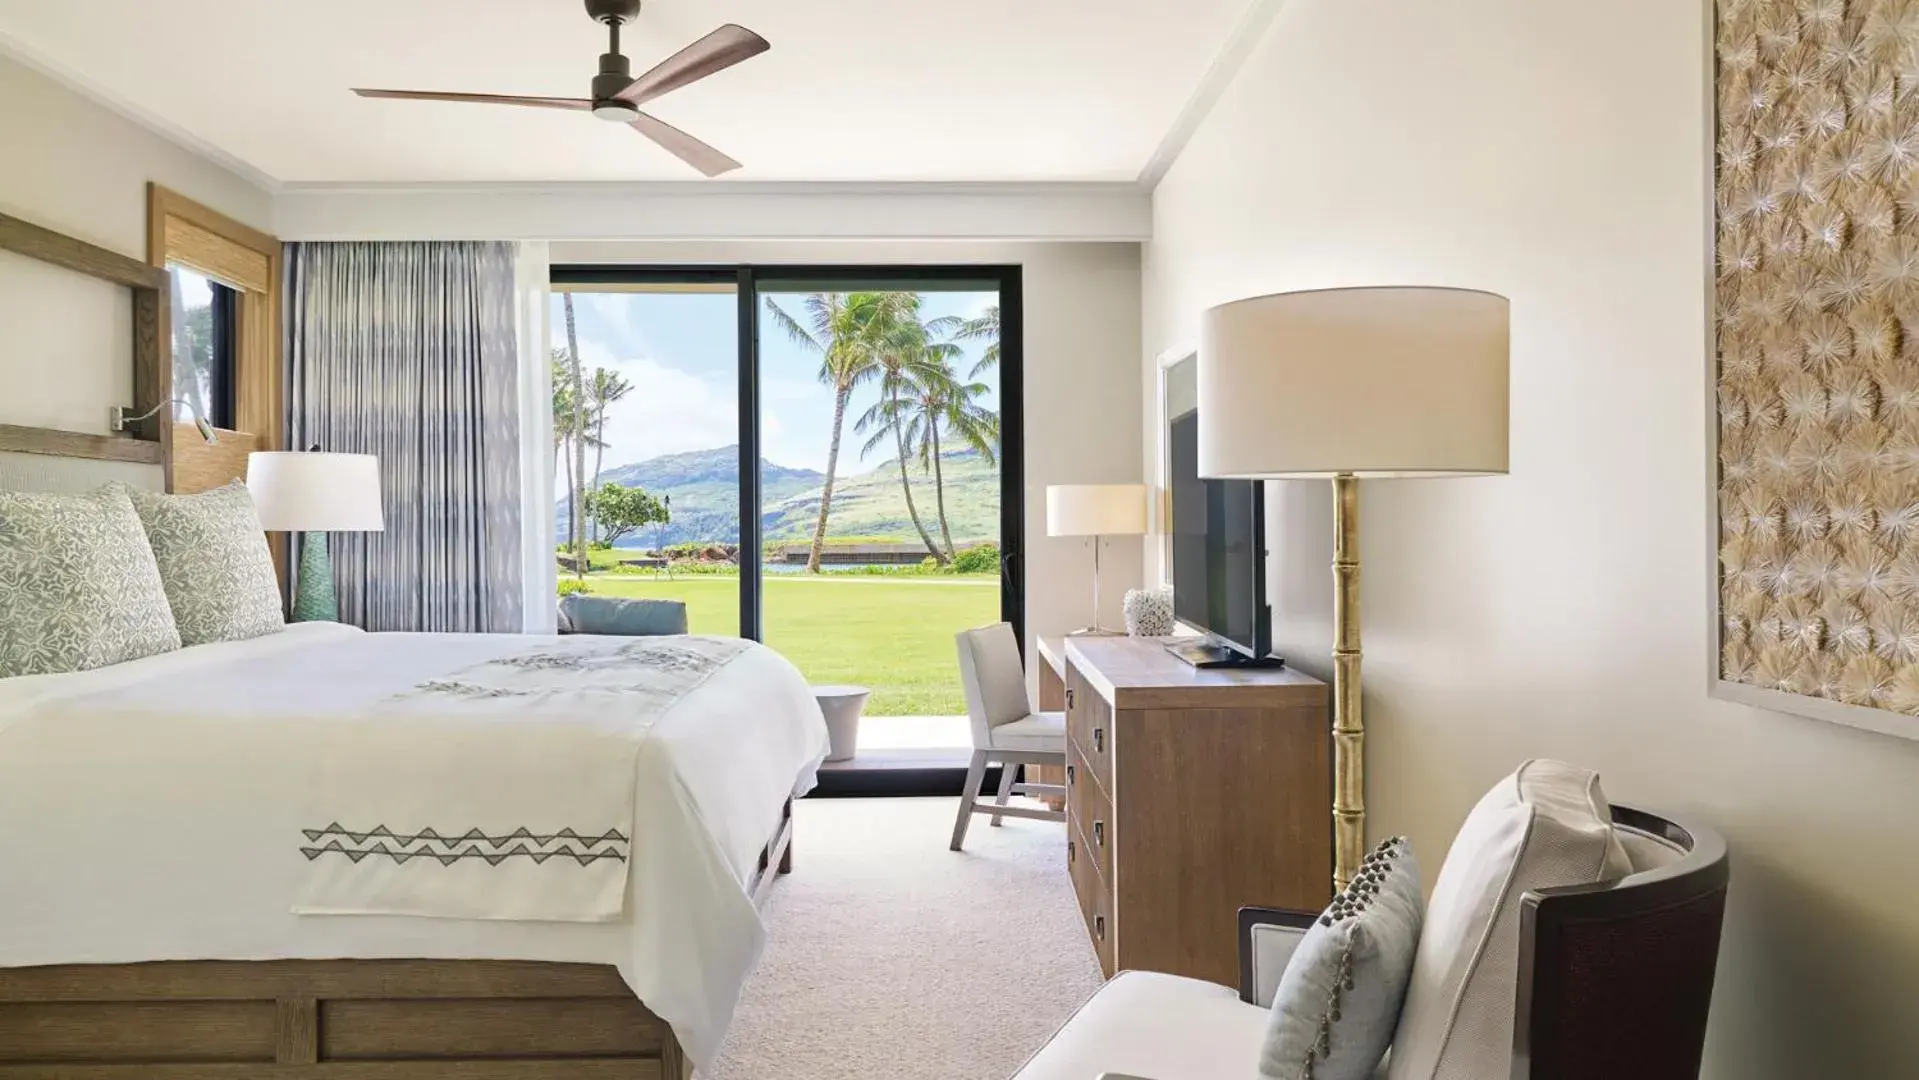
(1614, 980)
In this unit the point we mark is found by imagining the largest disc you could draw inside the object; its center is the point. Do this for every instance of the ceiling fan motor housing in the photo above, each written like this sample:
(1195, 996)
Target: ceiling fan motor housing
(613, 11)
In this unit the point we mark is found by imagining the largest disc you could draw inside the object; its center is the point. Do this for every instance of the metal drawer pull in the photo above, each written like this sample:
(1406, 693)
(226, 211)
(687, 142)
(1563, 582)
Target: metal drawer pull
(1069, 776)
(1099, 833)
(1099, 927)
(1072, 851)
(1099, 740)
(1069, 697)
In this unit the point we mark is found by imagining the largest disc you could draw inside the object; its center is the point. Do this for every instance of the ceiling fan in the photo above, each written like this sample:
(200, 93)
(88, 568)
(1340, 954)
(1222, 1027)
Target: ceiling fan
(617, 95)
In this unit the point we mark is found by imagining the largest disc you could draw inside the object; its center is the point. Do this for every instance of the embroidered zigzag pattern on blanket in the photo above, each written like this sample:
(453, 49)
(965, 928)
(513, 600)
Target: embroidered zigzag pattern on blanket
(565, 844)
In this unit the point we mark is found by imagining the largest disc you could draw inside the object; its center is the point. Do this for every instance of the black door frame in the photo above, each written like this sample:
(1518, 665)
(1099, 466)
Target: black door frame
(749, 280)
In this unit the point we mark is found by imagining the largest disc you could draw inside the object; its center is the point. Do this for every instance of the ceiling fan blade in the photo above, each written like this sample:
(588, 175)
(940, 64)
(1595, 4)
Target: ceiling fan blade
(683, 146)
(577, 104)
(715, 52)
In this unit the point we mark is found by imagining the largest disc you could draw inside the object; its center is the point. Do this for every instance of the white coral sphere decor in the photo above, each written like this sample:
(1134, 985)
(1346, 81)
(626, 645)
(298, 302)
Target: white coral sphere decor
(1149, 612)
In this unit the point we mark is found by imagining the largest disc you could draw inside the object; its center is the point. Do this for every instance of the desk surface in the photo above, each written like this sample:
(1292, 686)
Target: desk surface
(1138, 673)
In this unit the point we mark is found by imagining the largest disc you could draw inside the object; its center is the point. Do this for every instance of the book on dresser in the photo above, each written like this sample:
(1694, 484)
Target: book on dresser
(1189, 793)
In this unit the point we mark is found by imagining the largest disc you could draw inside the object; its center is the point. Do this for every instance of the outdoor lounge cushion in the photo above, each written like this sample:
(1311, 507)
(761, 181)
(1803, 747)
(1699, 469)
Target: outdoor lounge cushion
(1160, 1026)
(1546, 825)
(621, 616)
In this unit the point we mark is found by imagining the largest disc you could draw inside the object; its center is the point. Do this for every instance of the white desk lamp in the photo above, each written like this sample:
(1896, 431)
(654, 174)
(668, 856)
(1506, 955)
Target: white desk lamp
(1098, 511)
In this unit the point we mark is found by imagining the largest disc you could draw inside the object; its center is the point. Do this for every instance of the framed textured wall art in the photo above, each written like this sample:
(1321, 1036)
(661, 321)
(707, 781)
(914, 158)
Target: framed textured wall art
(1816, 358)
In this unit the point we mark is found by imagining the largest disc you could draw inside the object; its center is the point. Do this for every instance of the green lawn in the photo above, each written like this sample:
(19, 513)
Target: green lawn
(892, 634)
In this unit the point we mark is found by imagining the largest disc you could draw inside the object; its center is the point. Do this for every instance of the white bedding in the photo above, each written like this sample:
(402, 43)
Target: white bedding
(146, 811)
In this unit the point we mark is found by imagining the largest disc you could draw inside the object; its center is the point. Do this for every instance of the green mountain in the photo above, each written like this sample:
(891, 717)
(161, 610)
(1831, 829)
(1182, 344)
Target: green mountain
(704, 486)
(871, 504)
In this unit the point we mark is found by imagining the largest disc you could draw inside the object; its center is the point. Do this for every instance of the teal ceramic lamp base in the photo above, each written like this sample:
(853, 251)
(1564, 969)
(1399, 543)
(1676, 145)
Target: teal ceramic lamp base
(315, 601)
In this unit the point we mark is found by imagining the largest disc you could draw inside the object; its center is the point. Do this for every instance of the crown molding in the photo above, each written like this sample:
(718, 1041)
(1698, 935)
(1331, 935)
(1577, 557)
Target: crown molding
(1246, 36)
(715, 210)
(32, 59)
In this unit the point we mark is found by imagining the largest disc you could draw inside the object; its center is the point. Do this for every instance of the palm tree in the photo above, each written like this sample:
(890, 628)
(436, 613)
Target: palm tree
(983, 327)
(904, 354)
(941, 401)
(607, 388)
(840, 327)
(577, 478)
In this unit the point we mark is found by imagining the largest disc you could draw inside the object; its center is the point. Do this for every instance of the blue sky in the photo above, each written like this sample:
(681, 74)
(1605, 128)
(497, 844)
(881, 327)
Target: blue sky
(680, 351)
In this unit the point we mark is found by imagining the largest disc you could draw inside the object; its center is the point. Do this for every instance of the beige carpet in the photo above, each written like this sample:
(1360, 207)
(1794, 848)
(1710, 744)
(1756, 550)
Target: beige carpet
(890, 956)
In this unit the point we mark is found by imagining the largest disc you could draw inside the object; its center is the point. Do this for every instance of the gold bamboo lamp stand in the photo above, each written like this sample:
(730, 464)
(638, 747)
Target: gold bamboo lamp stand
(1388, 382)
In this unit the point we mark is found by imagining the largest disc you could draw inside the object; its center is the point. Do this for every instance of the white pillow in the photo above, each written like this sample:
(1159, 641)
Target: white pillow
(1546, 825)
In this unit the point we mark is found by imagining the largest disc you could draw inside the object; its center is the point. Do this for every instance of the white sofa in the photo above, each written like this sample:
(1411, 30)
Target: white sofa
(1575, 981)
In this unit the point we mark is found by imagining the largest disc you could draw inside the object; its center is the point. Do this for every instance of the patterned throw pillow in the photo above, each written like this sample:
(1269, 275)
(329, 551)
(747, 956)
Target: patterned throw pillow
(1338, 1000)
(214, 560)
(78, 585)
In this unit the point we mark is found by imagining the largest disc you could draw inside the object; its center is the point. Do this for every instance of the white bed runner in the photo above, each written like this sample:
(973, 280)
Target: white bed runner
(503, 790)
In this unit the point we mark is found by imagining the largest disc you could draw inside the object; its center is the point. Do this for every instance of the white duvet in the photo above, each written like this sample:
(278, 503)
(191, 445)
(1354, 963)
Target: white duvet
(145, 811)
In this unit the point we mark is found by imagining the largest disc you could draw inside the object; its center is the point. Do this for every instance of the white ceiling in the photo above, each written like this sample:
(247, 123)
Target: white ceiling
(853, 90)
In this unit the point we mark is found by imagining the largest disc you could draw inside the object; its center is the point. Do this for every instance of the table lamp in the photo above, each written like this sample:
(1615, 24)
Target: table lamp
(315, 493)
(1345, 384)
(1098, 511)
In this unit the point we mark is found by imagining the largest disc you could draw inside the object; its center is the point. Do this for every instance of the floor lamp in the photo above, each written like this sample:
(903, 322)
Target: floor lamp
(1346, 384)
(314, 493)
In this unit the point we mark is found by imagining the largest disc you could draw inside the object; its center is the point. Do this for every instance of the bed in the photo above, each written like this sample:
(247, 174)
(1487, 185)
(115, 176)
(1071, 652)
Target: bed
(161, 914)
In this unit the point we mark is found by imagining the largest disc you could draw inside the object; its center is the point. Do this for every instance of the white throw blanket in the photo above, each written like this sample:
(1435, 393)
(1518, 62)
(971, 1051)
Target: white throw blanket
(503, 790)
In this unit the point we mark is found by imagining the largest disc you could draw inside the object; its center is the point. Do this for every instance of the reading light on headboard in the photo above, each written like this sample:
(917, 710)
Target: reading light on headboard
(117, 418)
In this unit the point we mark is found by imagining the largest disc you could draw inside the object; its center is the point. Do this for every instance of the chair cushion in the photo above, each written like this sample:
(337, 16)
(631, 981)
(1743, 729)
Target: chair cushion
(1546, 825)
(78, 584)
(214, 560)
(1338, 1001)
(621, 616)
(1161, 1026)
(1044, 731)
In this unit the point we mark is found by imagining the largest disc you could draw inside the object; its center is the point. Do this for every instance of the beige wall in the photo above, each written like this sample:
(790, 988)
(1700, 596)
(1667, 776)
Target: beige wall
(1082, 333)
(76, 167)
(1553, 151)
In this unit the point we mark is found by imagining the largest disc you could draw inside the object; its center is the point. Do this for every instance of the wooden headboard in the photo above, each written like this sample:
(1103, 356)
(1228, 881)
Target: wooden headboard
(149, 285)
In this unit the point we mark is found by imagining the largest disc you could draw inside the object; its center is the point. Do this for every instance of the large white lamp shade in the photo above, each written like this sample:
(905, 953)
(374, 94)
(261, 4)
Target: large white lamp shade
(1388, 381)
(1096, 510)
(312, 491)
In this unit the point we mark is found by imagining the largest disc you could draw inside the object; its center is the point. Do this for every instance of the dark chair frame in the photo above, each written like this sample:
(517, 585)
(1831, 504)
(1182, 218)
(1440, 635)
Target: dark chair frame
(1615, 979)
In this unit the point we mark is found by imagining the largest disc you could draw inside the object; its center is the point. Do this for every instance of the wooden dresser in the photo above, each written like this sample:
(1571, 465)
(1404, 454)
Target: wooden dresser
(1189, 794)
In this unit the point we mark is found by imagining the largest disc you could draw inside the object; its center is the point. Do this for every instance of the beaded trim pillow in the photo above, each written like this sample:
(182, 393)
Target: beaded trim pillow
(1338, 1000)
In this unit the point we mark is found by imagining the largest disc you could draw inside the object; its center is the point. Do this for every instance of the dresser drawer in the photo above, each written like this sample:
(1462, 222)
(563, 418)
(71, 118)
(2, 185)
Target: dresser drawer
(1089, 724)
(1090, 811)
(1095, 898)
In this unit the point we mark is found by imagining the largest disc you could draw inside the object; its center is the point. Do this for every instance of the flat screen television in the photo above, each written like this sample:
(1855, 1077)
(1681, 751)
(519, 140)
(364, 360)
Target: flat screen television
(1218, 555)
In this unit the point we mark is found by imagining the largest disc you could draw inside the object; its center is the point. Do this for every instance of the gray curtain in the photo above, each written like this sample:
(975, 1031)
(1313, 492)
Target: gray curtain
(407, 351)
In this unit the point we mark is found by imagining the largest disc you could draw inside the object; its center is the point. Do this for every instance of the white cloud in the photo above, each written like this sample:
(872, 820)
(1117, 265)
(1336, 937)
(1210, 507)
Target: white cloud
(668, 411)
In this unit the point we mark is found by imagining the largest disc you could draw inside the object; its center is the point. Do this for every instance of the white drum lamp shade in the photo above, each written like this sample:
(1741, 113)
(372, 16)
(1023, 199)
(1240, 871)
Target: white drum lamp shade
(1390, 381)
(316, 492)
(1096, 510)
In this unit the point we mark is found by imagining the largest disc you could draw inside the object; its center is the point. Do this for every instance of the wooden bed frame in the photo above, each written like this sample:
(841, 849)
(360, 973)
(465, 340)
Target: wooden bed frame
(342, 1019)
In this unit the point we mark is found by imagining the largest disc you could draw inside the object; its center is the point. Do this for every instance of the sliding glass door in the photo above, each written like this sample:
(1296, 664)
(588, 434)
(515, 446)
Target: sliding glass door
(646, 426)
(826, 459)
(880, 493)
